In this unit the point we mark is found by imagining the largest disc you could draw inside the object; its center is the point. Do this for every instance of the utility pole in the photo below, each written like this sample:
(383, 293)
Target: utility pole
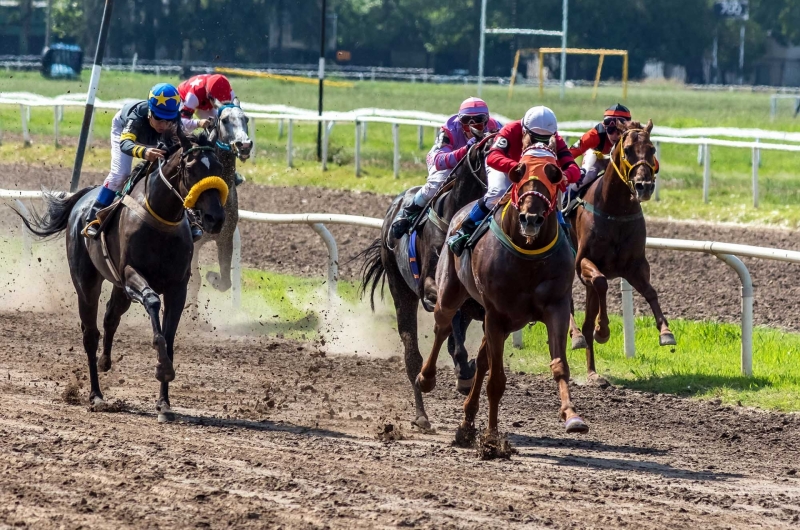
(321, 75)
(482, 49)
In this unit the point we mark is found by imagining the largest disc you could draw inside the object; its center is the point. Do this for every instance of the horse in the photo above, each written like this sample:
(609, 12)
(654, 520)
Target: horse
(231, 142)
(521, 274)
(387, 259)
(609, 233)
(144, 250)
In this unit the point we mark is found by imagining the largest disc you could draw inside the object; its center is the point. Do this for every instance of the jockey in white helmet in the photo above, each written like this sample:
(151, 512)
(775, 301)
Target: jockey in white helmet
(453, 141)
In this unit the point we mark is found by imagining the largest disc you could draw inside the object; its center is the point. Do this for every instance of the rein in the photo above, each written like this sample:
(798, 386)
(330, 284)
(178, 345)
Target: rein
(627, 167)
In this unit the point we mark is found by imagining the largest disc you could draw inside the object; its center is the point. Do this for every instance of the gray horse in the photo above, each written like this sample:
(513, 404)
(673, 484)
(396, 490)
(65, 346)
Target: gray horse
(229, 135)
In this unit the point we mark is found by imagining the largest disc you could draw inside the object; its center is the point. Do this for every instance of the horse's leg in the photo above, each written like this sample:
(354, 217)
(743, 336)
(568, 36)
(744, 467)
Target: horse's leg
(451, 296)
(592, 309)
(117, 305)
(496, 385)
(578, 340)
(555, 319)
(174, 301)
(406, 305)
(195, 281)
(88, 298)
(222, 281)
(592, 275)
(639, 279)
(137, 288)
(465, 370)
(465, 435)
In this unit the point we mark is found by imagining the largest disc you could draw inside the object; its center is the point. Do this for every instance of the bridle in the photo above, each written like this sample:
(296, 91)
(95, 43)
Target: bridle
(624, 163)
(549, 201)
(475, 170)
(217, 124)
(189, 201)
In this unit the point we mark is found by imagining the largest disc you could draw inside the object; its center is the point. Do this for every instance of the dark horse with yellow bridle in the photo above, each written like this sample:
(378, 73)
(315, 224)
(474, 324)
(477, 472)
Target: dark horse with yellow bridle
(144, 250)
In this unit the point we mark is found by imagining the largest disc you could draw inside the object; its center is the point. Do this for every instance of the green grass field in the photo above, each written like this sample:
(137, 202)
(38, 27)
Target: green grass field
(705, 364)
(666, 104)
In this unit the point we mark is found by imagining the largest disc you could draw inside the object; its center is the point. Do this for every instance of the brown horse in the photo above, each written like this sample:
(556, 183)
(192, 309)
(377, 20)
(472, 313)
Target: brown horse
(609, 233)
(387, 259)
(521, 273)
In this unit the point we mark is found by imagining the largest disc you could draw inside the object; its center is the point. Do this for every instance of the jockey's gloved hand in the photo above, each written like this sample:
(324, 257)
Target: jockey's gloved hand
(208, 123)
(472, 141)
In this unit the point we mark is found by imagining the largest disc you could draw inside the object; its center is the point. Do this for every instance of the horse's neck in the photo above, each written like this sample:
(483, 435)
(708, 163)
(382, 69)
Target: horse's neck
(510, 225)
(161, 199)
(465, 190)
(615, 196)
(228, 161)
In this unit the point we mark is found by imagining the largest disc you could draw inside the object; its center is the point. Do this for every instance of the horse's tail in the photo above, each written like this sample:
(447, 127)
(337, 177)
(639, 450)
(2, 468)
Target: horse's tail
(58, 206)
(372, 271)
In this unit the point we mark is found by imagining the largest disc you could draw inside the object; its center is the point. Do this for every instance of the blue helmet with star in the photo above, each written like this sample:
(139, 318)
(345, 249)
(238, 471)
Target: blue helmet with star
(164, 101)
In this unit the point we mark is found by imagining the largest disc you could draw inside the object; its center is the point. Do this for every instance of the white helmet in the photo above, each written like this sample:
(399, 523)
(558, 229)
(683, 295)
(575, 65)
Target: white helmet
(541, 121)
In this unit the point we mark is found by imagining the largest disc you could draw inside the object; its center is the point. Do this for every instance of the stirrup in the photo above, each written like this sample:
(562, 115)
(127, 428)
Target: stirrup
(86, 233)
(458, 242)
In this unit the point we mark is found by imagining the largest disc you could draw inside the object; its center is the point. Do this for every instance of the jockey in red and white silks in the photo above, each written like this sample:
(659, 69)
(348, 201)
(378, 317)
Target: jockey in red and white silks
(453, 141)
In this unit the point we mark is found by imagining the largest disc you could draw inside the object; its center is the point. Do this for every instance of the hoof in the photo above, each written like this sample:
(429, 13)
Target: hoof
(465, 436)
(579, 342)
(667, 339)
(422, 424)
(494, 446)
(104, 363)
(217, 282)
(165, 414)
(596, 380)
(600, 338)
(96, 403)
(464, 386)
(575, 425)
(426, 384)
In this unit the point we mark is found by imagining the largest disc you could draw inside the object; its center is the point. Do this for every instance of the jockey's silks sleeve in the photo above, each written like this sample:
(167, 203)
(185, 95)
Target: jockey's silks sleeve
(130, 134)
(567, 161)
(443, 156)
(589, 141)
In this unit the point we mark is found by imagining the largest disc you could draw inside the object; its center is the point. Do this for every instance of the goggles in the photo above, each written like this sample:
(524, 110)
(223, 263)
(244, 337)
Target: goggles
(480, 119)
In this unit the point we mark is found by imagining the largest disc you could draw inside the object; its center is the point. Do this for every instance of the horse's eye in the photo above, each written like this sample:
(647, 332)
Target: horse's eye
(225, 120)
(246, 119)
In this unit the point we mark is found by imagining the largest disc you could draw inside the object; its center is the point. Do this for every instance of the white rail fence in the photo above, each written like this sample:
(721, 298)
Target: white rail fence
(287, 116)
(729, 253)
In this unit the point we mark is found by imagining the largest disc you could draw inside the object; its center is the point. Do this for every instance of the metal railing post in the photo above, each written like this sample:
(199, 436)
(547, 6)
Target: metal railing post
(747, 310)
(358, 149)
(516, 339)
(251, 131)
(55, 125)
(755, 177)
(333, 258)
(236, 270)
(628, 323)
(25, 114)
(420, 137)
(396, 141)
(706, 171)
(289, 147)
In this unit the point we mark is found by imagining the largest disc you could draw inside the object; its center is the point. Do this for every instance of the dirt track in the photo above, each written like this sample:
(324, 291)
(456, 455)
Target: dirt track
(275, 435)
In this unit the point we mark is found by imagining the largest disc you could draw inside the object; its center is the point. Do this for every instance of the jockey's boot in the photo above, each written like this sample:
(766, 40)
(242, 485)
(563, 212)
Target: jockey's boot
(458, 241)
(238, 179)
(104, 198)
(404, 219)
(194, 224)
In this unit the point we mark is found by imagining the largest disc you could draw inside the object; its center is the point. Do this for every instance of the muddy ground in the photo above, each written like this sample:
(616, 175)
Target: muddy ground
(693, 286)
(273, 434)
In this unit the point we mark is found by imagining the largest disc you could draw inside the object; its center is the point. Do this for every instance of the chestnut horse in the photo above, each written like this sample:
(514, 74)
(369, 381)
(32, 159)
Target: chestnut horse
(609, 233)
(521, 273)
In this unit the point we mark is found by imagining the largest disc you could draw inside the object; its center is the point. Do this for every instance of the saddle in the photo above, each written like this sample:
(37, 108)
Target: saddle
(107, 214)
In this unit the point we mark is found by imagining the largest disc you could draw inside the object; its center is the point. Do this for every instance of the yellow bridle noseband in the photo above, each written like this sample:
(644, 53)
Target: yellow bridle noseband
(626, 166)
(208, 183)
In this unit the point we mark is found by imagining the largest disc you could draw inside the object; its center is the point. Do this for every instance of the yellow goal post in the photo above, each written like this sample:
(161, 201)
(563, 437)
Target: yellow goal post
(573, 51)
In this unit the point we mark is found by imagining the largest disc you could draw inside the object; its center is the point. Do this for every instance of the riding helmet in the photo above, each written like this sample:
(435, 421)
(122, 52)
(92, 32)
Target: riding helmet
(618, 111)
(219, 88)
(164, 101)
(541, 121)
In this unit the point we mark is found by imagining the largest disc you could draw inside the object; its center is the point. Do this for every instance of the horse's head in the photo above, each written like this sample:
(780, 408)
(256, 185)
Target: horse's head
(200, 181)
(535, 193)
(635, 159)
(231, 131)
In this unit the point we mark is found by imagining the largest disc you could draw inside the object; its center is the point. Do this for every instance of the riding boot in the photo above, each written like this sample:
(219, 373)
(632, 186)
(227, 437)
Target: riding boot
(238, 179)
(404, 219)
(104, 199)
(458, 241)
(194, 224)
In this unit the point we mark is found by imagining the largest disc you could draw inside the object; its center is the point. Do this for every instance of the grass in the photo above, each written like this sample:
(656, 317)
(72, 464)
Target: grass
(667, 104)
(705, 364)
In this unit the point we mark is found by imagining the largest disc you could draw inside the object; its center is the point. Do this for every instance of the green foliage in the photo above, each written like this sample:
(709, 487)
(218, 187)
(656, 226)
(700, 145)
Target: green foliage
(67, 18)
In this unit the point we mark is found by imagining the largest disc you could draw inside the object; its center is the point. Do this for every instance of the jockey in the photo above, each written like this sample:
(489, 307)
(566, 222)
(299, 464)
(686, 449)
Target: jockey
(540, 124)
(136, 130)
(455, 138)
(597, 143)
(201, 95)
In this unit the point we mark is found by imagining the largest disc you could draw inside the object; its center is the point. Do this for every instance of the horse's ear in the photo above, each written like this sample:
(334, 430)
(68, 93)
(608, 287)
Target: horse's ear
(185, 143)
(553, 144)
(649, 127)
(553, 173)
(212, 137)
(527, 140)
(518, 173)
